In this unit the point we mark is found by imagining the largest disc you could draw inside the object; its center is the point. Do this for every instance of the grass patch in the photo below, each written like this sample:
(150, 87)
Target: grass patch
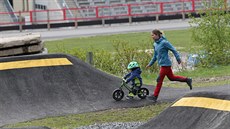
(114, 115)
(97, 42)
(179, 38)
(207, 72)
(202, 77)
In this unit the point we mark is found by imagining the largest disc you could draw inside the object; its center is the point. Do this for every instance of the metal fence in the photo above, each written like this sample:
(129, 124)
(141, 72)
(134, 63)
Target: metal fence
(103, 12)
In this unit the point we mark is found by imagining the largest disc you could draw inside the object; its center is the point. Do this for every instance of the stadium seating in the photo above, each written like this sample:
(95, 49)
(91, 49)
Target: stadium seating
(96, 9)
(71, 5)
(41, 15)
(116, 10)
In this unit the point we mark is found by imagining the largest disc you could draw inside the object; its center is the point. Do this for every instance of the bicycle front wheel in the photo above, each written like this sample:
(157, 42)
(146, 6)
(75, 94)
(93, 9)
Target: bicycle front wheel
(118, 94)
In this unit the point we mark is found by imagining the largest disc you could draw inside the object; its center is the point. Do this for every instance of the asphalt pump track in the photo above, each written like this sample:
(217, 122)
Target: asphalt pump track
(200, 110)
(38, 86)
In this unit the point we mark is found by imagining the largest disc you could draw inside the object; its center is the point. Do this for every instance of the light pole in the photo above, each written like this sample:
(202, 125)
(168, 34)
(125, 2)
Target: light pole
(34, 11)
(33, 4)
(23, 5)
(27, 5)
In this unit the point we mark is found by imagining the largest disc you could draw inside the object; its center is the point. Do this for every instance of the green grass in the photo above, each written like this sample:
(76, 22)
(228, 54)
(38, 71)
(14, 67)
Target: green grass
(179, 38)
(208, 72)
(141, 114)
(97, 42)
(198, 74)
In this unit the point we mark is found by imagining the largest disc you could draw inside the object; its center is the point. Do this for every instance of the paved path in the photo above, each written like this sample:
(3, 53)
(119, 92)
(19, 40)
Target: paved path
(99, 30)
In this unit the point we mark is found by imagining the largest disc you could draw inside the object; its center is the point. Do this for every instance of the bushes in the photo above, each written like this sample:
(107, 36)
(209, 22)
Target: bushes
(211, 32)
(125, 53)
(116, 62)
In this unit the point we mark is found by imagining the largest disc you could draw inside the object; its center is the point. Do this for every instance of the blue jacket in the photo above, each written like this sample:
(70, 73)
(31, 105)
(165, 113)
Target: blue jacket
(135, 73)
(161, 48)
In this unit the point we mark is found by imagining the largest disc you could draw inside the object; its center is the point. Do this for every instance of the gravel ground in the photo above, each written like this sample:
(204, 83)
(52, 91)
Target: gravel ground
(113, 125)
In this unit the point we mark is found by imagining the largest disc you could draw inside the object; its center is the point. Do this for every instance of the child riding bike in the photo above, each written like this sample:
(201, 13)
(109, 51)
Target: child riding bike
(132, 76)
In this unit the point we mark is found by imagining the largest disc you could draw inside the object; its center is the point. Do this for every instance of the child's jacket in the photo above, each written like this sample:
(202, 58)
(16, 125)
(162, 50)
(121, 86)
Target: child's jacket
(135, 73)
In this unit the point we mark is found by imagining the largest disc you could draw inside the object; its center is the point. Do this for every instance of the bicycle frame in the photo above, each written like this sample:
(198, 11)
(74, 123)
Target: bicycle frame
(123, 84)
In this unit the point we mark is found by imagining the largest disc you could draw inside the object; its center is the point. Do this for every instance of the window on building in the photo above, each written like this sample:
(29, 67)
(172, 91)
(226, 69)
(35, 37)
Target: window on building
(40, 7)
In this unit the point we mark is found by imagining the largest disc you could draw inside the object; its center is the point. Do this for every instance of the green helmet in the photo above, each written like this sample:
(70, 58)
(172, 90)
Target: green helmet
(132, 64)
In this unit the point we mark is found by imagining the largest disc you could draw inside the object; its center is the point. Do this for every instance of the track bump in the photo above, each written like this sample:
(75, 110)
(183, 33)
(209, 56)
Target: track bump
(34, 63)
(203, 102)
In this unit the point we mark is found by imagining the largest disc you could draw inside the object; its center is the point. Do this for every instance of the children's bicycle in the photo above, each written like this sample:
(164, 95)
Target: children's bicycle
(141, 92)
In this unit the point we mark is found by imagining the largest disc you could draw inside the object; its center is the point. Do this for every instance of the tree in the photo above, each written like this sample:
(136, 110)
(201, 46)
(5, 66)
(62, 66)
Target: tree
(212, 32)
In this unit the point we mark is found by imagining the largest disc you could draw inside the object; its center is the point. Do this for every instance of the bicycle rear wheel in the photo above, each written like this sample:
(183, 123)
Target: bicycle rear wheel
(143, 92)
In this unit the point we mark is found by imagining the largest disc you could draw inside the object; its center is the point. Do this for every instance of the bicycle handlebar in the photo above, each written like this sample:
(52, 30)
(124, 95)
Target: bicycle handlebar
(123, 80)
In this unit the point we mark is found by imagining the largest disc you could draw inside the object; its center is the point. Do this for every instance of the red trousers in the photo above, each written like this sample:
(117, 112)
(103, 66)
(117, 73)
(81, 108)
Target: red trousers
(166, 71)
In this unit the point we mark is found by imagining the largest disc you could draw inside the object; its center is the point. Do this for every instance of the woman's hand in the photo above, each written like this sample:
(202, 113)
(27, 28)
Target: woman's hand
(147, 66)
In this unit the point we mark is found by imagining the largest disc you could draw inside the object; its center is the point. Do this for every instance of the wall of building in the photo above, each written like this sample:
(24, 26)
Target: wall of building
(23, 5)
